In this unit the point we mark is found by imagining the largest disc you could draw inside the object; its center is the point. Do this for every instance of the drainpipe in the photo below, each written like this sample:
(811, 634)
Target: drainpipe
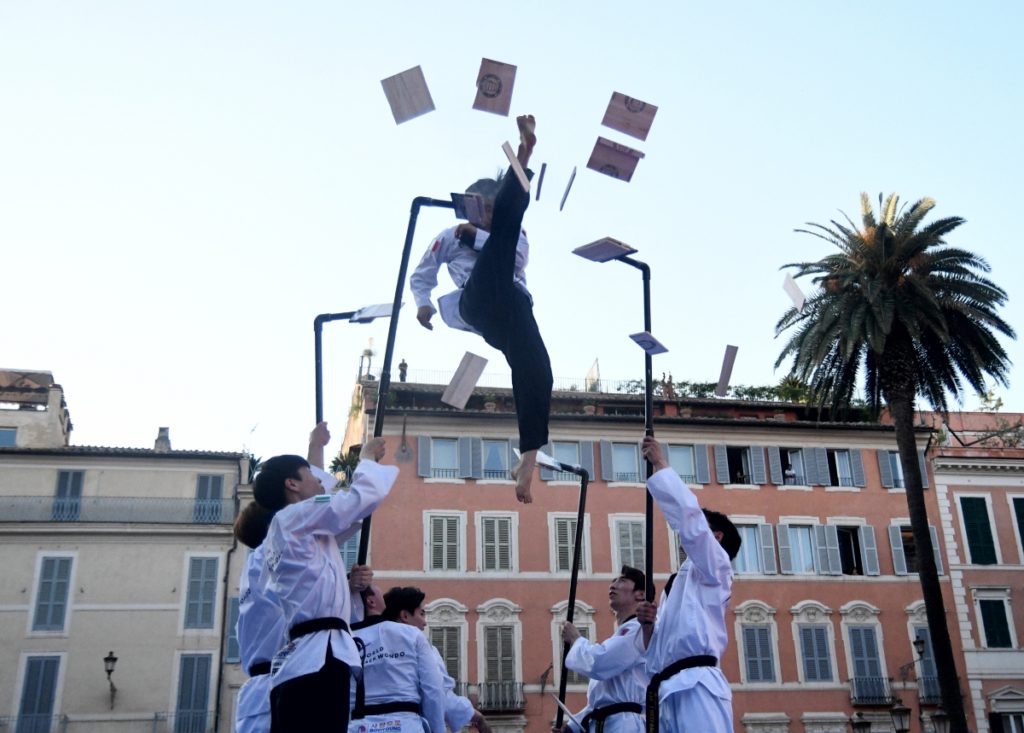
(224, 608)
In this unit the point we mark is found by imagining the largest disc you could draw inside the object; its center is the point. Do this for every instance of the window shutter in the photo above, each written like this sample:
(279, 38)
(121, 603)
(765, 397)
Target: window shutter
(491, 653)
(993, 619)
(700, 456)
(884, 469)
(423, 456)
(508, 658)
(451, 537)
(835, 563)
(810, 467)
(757, 464)
(202, 593)
(476, 452)
(193, 693)
(52, 598)
(465, 457)
(722, 465)
(489, 543)
(232, 653)
(821, 554)
(857, 466)
(38, 693)
(563, 545)
(504, 538)
(546, 474)
(978, 530)
(935, 549)
(869, 550)
(899, 560)
(821, 459)
(785, 554)
(923, 465)
(775, 464)
(864, 650)
(764, 532)
(817, 662)
(607, 469)
(750, 648)
(587, 457)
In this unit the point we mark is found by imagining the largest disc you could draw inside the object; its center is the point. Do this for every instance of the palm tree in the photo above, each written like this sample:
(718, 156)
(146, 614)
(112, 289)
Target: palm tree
(913, 317)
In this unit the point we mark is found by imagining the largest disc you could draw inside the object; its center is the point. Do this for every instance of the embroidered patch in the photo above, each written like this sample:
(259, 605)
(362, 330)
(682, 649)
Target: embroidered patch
(321, 498)
(437, 245)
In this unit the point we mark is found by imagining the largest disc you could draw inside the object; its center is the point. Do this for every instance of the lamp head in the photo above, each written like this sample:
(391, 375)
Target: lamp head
(604, 250)
(919, 646)
(860, 724)
(940, 721)
(109, 662)
(900, 714)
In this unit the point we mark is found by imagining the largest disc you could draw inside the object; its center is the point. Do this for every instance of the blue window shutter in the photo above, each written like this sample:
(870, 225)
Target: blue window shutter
(193, 693)
(423, 456)
(465, 457)
(587, 457)
(722, 465)
(52, 596)
(835, 563)
(923, 464)
(775, 464)
(607, 469)
(767, 549)
(232, 653)
(757, 464)
(869, 549)
(935, 548)
(37, 694)
(546, 474)
(857, 464)
(821, 459)
(884, 469)
(476, 454)
(700, 454)
(785, 554)
(899, 559)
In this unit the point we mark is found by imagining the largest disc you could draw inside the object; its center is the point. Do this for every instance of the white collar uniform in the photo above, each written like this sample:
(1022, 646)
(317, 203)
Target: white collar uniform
(398, 666)
(305, 571)
(691, 621)
(261, 632)
(616, 672)
(460, 260)
(458, 710)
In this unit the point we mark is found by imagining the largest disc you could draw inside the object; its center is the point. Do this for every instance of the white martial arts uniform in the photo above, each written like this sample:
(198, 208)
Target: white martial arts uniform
(617, 674)
(304, 569)
(458, 710)
(691, 621)
(261, 632)
(446, 250)
(398, 666)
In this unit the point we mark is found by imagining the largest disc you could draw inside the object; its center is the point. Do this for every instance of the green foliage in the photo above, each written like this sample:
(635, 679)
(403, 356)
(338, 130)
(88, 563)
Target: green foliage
(789, 390)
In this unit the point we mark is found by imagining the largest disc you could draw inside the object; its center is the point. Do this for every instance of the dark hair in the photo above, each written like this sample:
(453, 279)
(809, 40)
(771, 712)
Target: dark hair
(398, 599)
(268, 486)
(486, 187)
(637, 576)
(251, 525)
(731, 540)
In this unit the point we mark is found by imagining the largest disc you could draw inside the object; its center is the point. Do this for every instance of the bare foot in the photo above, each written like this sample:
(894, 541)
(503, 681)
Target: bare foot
(527, 138)
(522, 473)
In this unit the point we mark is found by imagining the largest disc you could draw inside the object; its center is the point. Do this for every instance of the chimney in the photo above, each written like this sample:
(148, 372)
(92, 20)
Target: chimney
(163, 441)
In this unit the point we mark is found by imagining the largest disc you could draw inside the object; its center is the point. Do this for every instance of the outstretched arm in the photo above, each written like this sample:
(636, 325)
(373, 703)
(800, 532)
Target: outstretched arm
(318, 440)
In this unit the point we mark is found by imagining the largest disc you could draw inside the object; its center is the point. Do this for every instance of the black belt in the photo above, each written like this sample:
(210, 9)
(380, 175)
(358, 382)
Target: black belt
(259, 668)
(316, 624)
(599, 715)
(701, 660)
(384, 708)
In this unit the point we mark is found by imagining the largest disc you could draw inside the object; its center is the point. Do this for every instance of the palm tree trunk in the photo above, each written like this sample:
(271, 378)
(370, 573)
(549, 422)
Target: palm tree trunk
(901, 405)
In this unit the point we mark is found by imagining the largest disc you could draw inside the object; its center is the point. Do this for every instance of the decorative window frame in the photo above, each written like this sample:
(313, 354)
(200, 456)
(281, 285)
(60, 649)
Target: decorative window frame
(449, 612)
(513, 550)
(582, 618)
(987, 496)
(993, 593)
(813, 613)
(861, 613)
(498, 612)
(755, 612)
(613, 521)
(585, 561)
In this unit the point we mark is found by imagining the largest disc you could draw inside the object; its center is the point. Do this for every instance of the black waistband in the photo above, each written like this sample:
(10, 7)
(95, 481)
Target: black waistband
(316, 624)
(259, 668)
(384, 708)
(598, 715)
(700, 660)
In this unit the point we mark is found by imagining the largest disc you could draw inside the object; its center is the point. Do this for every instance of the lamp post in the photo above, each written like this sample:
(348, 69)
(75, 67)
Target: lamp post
(940, 721)
(900, 715)
(109, 662)
(860, 724)
(606, 250)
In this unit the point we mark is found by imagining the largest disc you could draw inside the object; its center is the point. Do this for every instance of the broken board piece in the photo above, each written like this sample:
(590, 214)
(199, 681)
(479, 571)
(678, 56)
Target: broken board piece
(517, 168)
(646, 341)
(494, 87)
(407, 94)
(794, 292)
(466, 376)
(629, 116)
(612, 159)
(540, 179)
(726, 375)
(568, 186)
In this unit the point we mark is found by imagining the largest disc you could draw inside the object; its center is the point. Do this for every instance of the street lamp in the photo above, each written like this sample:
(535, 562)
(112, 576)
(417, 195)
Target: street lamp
(940, 721)
(109, 663)
(900, 715)
(606, 250)
(860, 724)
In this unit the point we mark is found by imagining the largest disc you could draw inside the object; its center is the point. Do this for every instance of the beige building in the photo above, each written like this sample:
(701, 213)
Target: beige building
(112, 552)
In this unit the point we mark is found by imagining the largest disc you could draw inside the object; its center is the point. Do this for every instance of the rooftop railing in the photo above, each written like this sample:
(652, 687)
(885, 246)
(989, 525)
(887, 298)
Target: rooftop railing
(116, 509)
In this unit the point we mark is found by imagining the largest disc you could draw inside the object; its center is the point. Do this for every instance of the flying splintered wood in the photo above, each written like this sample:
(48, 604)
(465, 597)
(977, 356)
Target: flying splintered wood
(568, 186)
(612, 159)
(794, 292)
(648, 343)
(726, 375)
(407, 94)
(466, 376)
(517, 168)
(629, 115)
(494, 87)
(540, 179)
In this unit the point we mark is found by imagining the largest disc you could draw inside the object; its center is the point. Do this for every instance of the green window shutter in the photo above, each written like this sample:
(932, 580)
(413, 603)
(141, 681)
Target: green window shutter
(993, 618)
(202, 593)
(979, 530)
(587, 457)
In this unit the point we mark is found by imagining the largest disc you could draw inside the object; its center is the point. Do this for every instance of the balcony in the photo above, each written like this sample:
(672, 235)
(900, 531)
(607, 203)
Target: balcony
(870, 691)
(497, 474)
(791, 478)
(501, 697)
(116, 509)
(928, 690)
(444, 473)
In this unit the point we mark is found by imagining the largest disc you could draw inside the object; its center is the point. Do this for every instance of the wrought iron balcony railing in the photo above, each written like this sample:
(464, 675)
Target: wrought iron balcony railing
(870, 691)
(501, 696)
(127, 509)
(928, 690)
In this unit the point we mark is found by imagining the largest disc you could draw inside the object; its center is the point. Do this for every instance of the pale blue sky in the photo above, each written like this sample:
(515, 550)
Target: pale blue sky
(185, 185)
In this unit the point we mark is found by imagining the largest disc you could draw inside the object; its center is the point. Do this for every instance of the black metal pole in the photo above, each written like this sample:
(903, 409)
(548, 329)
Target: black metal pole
(385, 372)
(570, 612)
(318, 329)
(645, 270)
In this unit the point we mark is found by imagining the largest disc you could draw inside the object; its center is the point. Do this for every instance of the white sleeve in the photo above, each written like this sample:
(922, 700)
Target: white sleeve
(607, 660)
(335, 514)
(424, 278)
(432, 696)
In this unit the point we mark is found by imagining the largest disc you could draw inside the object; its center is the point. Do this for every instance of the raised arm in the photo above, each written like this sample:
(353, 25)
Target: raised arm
(609, 659)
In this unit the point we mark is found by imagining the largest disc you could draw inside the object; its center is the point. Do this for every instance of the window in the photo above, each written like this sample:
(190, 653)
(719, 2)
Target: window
(840, 471)
(680, 457)
(897, 469)
(568, 453)
(858, 551)
(8, 437)
(576, 678)
(628, 543)
(749, 559)
(232, 654)
(496, 459)
(625, 462)
(67, 503)
(573, 452)
(995, 623)
(796, 549)
(563, 541)
(495, 543)
(904, 549)
(792, 460)
(444, 458)
(978, 530)
(52, 594)
(38, 694)
(202, 592)
(209, 492)
(1011, 722)
(739, 464)
(445, 542)
(814, 653)
(928, 681)
(448, 643)
(870, 685)
(500, 690)
(350, 550)
(193, 693)
(758, 653)
(1018, 514)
